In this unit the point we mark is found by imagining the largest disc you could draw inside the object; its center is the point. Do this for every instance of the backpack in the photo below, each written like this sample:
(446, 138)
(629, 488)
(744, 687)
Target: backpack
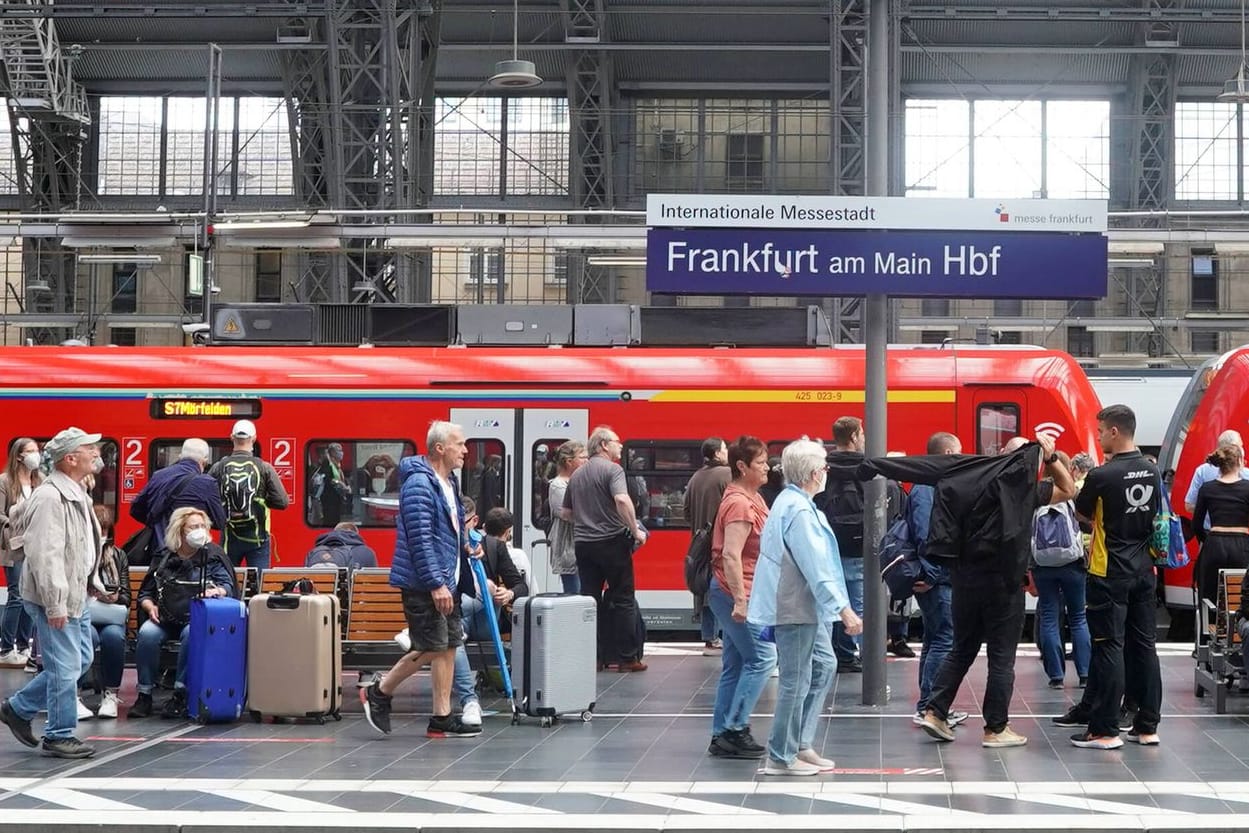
(545, 518)
(900, 565)
(842, 504)
(240, 492)
(698, 562)
(1056, 538)
(330, 558)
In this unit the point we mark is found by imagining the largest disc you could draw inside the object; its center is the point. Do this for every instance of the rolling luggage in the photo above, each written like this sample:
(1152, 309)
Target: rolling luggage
(294, 655)
(216, 665)
(554, 655)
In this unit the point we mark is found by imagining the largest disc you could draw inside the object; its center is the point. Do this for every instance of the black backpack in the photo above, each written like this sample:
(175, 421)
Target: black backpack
(698, 562)
(327, 557)
(842, 503)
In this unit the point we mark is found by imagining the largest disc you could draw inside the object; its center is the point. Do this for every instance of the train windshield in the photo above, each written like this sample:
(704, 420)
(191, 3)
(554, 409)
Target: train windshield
(1185, 410)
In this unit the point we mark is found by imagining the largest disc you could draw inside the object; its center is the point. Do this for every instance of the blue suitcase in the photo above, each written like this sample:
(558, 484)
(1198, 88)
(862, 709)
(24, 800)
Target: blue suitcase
(216, 673)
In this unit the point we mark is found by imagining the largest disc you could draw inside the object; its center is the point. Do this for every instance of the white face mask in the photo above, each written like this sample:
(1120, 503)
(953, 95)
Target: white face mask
(31, 460)
(197, 537)
(97, 465)
(821, 481)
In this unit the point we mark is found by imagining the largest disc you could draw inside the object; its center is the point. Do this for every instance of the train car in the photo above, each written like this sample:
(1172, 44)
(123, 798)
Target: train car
(1216, 399)
(517, 405)
(1152, 393)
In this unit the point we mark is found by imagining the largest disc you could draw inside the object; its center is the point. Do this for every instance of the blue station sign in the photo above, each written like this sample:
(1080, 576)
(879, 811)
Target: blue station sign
(826, 246)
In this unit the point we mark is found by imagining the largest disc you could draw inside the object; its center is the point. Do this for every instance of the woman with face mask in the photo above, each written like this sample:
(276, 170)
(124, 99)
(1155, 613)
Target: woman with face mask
(798, 592)
(165, 602)
(21, 476)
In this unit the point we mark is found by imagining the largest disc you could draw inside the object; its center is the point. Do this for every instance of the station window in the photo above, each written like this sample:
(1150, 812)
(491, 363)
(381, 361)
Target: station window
(656, 473)
(1205, 281)
(996, 424)
(165, 452)
(545, 469)
(484, 477)
(104, 488)
(1205, 341)
(268, 276)
(362, 488)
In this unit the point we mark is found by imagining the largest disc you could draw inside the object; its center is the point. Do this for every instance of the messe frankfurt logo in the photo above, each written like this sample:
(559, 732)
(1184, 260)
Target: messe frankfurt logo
(1003, 216)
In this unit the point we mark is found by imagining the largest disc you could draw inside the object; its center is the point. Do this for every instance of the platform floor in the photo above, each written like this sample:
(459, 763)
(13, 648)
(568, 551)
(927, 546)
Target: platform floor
(641, 764)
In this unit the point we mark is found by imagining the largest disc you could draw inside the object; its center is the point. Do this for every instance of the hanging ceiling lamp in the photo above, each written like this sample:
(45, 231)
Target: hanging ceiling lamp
(514, 74)
(1234, 89)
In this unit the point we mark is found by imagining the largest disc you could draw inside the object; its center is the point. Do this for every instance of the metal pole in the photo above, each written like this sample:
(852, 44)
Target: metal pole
(875, 325)
(212, 111)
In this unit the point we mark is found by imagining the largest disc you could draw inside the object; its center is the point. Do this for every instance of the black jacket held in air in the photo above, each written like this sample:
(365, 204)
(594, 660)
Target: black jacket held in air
(982, 514)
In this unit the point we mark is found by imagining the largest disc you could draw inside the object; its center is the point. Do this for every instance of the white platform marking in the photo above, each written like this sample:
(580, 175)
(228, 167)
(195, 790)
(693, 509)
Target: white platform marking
(75, 800)
(679, 803)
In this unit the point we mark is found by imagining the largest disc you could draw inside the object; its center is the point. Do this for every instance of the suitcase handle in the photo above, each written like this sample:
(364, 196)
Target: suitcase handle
(282, 602)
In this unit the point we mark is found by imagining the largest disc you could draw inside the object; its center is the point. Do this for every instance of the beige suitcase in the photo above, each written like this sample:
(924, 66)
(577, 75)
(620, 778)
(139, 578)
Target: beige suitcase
(294, 656)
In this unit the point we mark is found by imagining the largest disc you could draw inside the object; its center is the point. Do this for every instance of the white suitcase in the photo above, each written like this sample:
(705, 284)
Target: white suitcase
(554, 655)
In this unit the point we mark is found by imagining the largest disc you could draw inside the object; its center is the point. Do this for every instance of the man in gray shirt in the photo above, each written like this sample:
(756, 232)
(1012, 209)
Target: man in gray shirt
(605, 533)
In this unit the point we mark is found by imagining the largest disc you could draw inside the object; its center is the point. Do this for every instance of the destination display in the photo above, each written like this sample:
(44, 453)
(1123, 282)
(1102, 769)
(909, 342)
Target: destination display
(183, 407)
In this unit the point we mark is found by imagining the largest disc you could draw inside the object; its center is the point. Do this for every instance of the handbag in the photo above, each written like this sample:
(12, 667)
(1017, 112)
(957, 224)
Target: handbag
(174, 593)
(104, 614)
(1167, 542)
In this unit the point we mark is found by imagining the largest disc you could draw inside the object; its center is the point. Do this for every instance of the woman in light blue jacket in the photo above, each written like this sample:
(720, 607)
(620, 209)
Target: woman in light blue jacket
(799, 591)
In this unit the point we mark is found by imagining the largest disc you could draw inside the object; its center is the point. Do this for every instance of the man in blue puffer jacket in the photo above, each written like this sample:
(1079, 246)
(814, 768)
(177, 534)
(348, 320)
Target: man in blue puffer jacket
(426, 569)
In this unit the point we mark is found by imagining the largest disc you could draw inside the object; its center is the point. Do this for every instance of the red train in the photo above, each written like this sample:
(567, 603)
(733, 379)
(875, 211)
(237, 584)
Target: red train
(517, 405)
(1216, 399)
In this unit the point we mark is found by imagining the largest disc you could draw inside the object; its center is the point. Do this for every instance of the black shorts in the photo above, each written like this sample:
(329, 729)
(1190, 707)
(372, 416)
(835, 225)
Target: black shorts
(428, 629)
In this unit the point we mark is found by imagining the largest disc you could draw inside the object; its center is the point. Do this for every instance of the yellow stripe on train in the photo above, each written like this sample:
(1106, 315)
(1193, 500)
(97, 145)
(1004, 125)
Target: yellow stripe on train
(812, 395)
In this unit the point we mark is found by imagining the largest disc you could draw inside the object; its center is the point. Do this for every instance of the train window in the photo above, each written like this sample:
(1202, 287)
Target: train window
(657, 472)
(545, 470)
(166, 452)
(361, 487)
(996, 424)
(484, 477)
(104, 486)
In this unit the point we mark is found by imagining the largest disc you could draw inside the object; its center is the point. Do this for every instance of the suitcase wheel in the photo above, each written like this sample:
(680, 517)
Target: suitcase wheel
(587, 716)
(547, 722)
(338, 716)
(256, 716)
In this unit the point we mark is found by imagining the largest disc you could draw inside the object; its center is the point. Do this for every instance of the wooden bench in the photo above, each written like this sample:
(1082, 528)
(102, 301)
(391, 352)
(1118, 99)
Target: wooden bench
(1220, 662)
(325, 581)
(374, 616)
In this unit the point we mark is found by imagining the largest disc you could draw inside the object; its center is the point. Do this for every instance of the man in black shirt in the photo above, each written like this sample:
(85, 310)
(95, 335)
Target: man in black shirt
(1121, 499)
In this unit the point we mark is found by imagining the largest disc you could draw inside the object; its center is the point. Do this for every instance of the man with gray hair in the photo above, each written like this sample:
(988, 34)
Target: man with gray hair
(605, 533)
(181, 484)
(1208, 471)
(61, 541)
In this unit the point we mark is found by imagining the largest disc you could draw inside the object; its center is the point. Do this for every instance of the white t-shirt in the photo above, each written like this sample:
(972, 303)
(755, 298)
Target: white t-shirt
(448, 492)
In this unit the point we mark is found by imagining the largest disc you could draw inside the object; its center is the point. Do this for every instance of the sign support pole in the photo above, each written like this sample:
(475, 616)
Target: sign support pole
(876, 328)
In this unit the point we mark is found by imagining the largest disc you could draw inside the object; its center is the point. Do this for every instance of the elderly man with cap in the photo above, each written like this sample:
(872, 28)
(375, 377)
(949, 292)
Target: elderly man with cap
(249, 489)
(61, 540)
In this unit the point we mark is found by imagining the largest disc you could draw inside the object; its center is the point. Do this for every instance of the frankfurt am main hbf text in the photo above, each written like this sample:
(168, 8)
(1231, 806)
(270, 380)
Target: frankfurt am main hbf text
(748, 259)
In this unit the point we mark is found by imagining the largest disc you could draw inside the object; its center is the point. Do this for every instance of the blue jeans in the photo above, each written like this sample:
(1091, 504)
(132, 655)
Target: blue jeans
(477, 629)
(240, 551)
(808, 666)
(66, 652)
(110, 641)
(16, 626)
(1055, 587)
(147, 653)
(708, 621)
(938, 618)
(572, 583)
(845, 646)
(746, 665)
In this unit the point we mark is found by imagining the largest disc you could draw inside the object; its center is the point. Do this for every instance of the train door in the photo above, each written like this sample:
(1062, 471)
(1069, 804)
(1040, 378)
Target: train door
(510, 460)
(998, 414)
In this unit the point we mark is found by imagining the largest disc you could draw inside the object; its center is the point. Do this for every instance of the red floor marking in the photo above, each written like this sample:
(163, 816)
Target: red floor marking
(216, 740)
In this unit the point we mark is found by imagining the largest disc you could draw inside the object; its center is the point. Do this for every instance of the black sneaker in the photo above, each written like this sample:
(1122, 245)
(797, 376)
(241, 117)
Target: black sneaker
(898, 647)
(726, 745)
(449, 726)
(70, 747)
(1058, 683)
(142, 707)
(20, 728)
(850, 666)
(1073, 719)
(745, 740)
(377, 707)
(175, 706)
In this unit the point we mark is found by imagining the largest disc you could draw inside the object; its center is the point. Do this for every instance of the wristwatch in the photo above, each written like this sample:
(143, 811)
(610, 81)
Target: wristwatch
(1052, 459)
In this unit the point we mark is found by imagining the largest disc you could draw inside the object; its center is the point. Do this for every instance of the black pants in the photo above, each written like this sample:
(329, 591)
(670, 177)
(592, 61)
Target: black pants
(610, 563)
(987, 610)
(1220, 551)
(1122, 621)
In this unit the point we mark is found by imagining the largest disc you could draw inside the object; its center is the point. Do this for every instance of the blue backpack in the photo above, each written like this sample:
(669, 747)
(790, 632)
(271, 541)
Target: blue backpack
(900, 565)
(1056, 538)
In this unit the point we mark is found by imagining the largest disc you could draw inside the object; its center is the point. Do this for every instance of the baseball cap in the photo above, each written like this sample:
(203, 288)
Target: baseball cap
(68, 441)
(244, 428)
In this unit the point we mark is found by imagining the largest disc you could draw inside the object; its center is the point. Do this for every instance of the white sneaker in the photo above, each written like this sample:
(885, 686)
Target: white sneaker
(798, 767)
(955, 718)
(810, 757)
(108, 706)
(13, 659)
(84, 713)
(471, 715)
(404, 640)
